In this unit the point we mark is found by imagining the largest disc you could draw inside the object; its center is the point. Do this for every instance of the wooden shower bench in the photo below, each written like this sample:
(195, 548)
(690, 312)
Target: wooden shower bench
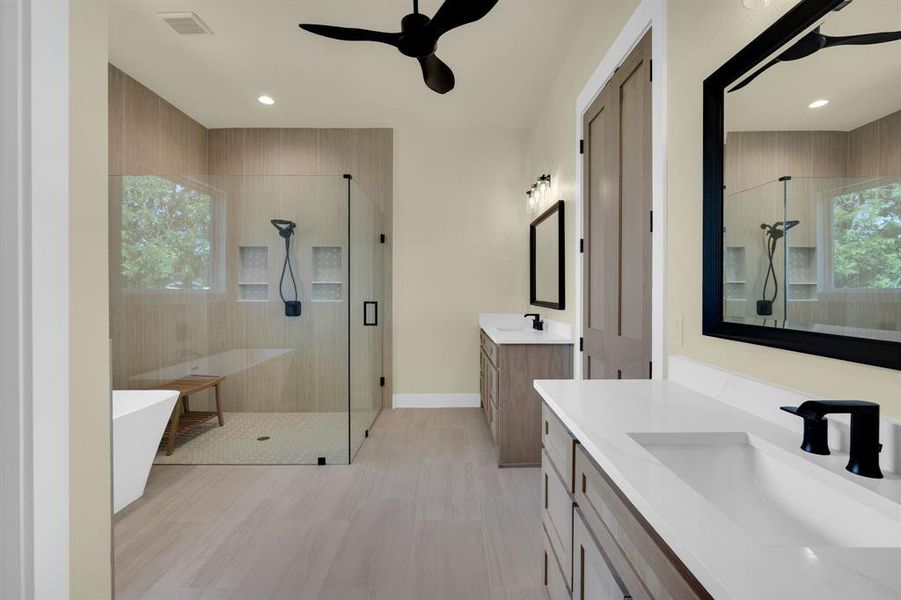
(184, 419)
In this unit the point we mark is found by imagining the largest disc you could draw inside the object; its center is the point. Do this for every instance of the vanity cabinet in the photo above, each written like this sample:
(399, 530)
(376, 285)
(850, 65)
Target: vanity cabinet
(511, 404)
(602, 548)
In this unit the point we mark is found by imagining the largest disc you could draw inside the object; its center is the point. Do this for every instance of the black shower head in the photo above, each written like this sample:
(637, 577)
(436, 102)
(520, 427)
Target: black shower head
(285, 228)
(778, 229)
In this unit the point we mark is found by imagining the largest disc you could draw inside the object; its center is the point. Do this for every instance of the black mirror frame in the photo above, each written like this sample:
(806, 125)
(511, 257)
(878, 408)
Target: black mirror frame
(880, 353)
(557, 207)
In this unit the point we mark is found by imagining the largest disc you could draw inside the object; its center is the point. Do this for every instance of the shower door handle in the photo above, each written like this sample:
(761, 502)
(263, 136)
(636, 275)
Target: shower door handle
(366, 313)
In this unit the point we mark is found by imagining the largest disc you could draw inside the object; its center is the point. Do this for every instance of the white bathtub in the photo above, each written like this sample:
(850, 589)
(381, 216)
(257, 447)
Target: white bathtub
(139, 419)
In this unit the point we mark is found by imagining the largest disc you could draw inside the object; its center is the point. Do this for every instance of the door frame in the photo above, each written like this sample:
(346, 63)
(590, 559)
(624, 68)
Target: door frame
(648, 15)
(34, 301)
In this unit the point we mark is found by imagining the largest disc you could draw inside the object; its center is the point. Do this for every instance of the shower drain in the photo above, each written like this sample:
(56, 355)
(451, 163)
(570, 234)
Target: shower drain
(262, 438)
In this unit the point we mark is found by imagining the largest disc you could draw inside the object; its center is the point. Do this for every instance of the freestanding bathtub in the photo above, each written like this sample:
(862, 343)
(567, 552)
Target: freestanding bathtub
(139, 418)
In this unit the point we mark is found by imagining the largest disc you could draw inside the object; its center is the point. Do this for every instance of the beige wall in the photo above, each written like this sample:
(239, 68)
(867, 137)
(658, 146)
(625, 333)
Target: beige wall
(551, 144)
(460, 248)
(89, 413)
(727, 27)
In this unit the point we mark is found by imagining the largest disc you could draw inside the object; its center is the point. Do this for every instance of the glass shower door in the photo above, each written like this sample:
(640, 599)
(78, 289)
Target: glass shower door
(366, 315)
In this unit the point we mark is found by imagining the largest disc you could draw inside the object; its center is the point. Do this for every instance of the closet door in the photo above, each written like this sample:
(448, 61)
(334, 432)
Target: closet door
(617, 224)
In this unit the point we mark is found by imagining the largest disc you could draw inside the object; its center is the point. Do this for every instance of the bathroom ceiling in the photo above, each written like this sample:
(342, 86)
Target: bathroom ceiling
(862, 83)
(504, 62)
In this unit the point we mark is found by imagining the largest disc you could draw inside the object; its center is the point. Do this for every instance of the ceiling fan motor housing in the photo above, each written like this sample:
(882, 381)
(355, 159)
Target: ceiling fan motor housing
(415, 40)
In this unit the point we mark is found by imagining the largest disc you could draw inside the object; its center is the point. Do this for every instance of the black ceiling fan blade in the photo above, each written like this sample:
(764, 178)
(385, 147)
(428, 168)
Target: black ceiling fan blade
(437, 75)
(863, 39)
(351, 34)
(454, 13)
(754, 75)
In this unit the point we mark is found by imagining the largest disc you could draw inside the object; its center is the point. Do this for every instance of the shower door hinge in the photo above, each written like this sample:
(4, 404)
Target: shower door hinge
(581, 344)
(381, 238)
(581, 245)
(381, 382)
(581, 146)
(652, 221)
(348, 176)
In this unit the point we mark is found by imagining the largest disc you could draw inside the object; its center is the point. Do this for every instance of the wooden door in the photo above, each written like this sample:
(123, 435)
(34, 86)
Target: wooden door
(617, 221)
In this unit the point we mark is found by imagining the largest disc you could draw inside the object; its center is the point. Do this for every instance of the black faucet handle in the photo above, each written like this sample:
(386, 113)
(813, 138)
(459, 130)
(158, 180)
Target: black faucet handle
(537, 323)
(816, 429)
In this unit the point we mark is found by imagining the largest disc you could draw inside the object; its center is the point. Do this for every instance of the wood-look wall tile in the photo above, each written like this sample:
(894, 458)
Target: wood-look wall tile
(116, 119)
(197, 155)
(173, 140)
(142, 124)
(301, 151)
(335, 156)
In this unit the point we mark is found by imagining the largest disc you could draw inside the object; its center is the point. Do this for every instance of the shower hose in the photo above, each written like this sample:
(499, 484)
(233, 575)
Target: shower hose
(286, 267)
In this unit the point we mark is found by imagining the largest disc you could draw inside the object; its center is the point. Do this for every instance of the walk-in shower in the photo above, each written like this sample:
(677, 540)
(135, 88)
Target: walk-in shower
(201, 285)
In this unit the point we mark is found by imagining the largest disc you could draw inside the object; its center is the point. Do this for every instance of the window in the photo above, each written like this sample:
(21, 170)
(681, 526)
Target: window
(169, 237)
(866, 238)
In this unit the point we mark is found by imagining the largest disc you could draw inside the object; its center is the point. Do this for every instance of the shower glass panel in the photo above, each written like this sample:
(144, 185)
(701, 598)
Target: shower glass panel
(366, 314)
(198, 274)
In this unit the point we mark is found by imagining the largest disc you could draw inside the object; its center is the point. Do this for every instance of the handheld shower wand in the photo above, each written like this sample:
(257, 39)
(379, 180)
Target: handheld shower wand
(286, 231)
(771, 235)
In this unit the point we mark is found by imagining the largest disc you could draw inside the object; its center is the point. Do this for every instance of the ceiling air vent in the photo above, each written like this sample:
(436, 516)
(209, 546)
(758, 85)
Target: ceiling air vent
(185, 23)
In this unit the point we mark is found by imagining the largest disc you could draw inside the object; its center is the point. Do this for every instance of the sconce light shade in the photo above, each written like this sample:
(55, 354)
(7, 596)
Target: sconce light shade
(538, 192)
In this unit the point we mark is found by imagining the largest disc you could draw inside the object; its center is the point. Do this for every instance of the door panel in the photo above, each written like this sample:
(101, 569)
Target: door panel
(617, 193)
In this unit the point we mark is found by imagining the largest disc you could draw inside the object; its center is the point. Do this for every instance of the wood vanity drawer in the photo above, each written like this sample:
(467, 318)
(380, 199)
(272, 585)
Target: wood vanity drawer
(600, 571)
(624, 533)
(559, 445)
(553, 574)
(557, 516)
(489, 347)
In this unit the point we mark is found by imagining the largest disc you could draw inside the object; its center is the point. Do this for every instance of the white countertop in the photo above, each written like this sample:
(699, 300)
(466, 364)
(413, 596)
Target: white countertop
(505, 328)
(717, 550)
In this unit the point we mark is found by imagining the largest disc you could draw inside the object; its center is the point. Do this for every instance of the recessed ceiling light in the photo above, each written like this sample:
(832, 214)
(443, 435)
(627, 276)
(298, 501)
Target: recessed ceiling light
(267, 100)
(752, 4)
(818, 104)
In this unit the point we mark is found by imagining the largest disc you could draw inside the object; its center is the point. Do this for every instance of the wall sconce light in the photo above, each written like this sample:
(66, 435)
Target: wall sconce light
(538, 192)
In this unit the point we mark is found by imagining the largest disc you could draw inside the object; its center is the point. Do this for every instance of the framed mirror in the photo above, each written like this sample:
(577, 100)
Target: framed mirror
(546, 259)
(802, 185)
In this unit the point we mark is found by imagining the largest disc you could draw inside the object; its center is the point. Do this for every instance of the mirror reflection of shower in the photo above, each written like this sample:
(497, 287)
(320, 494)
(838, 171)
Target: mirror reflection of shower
(286, 231)
(771, 236)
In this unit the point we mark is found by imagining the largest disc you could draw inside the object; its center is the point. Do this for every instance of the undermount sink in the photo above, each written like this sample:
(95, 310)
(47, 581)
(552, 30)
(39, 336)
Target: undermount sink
(779, 499)
(523, 328)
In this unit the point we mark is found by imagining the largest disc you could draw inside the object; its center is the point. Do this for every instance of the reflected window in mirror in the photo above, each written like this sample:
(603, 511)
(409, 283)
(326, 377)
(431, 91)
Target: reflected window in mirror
(804, 190)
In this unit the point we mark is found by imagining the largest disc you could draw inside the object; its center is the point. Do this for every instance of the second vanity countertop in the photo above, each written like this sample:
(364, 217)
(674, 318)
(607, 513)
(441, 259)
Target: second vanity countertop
(732, 561)
(505, 328)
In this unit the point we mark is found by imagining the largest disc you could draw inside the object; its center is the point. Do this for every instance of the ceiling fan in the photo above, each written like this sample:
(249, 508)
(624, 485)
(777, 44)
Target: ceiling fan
(815, 41)
(418, 37)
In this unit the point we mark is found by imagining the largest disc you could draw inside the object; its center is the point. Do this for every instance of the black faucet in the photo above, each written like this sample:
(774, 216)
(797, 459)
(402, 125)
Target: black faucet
(537, 323)
(865, 446)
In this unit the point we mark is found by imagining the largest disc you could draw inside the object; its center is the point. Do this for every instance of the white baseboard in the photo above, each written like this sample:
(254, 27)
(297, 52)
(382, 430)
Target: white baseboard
(436, 401)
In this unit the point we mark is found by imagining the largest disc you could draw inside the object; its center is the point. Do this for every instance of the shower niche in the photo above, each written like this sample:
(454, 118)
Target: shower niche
(253, 271)
(327, 284)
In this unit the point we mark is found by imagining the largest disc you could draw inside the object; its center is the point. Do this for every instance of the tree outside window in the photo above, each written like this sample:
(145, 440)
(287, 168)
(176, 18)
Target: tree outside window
(167, 235)
(866, 238)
